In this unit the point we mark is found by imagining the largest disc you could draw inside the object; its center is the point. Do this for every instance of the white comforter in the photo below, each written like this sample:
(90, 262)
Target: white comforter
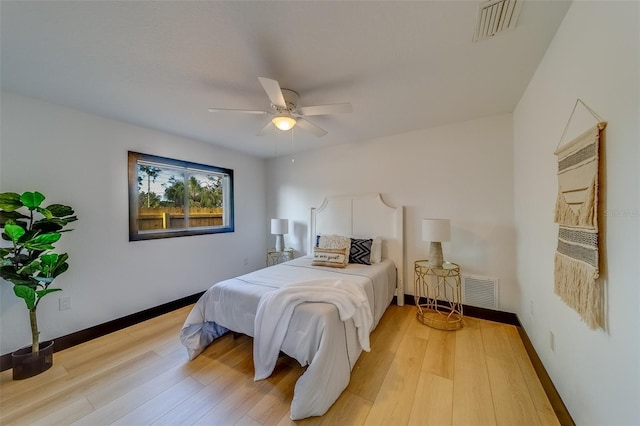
(276, 309)
(316, 336)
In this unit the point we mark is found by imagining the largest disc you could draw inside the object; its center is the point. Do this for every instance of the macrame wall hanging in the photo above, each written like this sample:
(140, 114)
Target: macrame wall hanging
(577, 258)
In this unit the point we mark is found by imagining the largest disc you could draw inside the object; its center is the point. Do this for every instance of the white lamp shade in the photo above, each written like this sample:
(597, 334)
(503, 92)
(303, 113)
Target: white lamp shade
(436, 230)
(284, 122)
(279, 226)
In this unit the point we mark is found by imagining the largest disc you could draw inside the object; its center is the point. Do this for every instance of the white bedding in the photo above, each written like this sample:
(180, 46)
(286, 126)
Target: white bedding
(316, 336)
(276, 308)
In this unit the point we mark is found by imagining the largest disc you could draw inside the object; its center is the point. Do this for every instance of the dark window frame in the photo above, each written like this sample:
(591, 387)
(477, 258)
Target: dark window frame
(136, 235)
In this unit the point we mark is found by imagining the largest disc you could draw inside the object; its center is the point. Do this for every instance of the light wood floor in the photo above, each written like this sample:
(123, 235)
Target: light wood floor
(414, 375)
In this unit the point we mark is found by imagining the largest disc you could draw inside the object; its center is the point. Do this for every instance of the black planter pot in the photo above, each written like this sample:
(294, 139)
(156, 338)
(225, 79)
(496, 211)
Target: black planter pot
(27, 364)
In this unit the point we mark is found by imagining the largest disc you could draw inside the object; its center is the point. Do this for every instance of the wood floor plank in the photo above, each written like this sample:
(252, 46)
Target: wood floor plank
(496, 340)
(128, 402)
(47, 398)
(200, 403)
(548, 419)
(237, 403)
(511, 400)
(17, 395)
(229, 352)
(479, 375)
(286, 421)
(163, 338)
(156, 407)
(349, 409)
(167, 345)
(396, 396)
(538, 395)
(85, 353)
(171, 320)
(39, 412)
(369, 373)
(107, 360)
(391, 327)
(64, 415)
(130, 374)
(247, 421)
(473, 403)
(433, 402)
(274, 404)
(370, 369)
(439, 355)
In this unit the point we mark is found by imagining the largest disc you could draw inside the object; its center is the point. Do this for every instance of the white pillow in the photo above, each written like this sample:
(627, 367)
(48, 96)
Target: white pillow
(376, 248)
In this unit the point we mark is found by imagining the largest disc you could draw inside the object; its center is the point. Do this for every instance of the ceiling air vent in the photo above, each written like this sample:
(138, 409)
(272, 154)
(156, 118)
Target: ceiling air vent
(495, 16)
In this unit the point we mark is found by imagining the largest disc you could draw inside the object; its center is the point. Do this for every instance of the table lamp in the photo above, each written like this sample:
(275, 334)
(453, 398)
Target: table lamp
(279, 227)
(436, 231)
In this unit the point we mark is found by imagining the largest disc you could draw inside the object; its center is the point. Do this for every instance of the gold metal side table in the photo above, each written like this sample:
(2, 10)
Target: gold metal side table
(438, 295)
(278, 256)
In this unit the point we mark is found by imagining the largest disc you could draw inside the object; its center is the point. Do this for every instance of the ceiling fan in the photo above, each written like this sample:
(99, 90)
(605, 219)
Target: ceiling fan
(286, 112)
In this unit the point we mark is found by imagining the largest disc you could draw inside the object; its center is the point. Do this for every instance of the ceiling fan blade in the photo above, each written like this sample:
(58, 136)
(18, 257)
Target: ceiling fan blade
(268, 129)
(326, 109)
(309, 126)
(244, 111)
(274, 92)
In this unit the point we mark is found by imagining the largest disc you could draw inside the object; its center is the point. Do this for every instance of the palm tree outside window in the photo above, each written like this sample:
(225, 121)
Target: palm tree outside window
(171, 198)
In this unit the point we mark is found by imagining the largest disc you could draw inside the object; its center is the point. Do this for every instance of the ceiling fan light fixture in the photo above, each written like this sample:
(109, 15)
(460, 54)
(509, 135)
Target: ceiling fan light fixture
(284, 122)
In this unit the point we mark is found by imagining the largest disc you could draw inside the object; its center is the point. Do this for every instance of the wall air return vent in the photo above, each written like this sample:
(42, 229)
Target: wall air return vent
(481, 292)
(495, 16)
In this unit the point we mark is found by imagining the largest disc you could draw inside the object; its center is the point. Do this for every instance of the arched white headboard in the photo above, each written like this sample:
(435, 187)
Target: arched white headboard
(364, 215)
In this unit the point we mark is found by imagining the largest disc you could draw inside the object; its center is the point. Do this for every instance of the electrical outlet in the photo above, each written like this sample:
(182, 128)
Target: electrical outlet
(552, 341)
(64, 303)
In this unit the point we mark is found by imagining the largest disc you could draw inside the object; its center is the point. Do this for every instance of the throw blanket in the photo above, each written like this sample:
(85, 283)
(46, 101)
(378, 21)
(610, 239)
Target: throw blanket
(276, 308)
(577, 255)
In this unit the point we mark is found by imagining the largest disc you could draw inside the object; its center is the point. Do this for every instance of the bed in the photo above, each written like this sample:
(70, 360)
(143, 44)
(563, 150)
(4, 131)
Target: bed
(277, 306)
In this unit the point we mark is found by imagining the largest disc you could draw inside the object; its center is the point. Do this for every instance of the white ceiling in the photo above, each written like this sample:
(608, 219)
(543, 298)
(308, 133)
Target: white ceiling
(161, 64)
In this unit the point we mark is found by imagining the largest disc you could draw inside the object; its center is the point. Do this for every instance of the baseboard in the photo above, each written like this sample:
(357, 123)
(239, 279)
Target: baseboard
(91, 333)
(510, 318)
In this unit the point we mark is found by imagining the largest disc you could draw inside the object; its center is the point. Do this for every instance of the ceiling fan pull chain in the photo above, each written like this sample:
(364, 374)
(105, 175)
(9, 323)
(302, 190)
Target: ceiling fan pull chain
(293, 160)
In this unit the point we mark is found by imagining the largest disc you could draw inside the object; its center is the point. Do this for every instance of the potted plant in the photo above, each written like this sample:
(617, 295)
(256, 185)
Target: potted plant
(28, 261)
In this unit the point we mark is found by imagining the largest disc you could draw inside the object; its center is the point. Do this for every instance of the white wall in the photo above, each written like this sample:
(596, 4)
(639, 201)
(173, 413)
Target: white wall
(594, 57)
(461, 171)
(80, 159)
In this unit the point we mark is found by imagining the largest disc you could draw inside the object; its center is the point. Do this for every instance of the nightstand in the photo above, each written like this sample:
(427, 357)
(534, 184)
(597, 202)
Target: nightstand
(438, 295)
(278, 256)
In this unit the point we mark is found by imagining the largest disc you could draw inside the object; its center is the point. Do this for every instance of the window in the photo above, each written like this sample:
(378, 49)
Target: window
(173, 198)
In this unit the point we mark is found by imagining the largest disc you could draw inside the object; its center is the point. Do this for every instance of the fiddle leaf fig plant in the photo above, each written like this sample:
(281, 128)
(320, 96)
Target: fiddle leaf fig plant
(27, 260)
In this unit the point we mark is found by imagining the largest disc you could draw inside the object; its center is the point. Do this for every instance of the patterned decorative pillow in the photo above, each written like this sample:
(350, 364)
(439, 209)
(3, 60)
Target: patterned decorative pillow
(333, 257)
(334, 241)
(360, 251)
(376, 247)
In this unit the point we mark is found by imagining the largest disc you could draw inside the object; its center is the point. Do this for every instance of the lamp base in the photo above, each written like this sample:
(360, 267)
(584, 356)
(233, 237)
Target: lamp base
(279, 242)
(435, 254)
